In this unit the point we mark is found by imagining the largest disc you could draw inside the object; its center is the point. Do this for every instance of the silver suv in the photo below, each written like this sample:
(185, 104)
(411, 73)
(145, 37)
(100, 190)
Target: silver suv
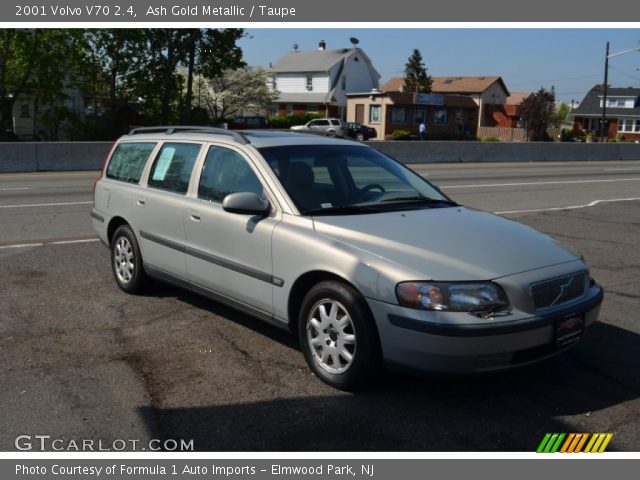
(331, 127)
(367, 262)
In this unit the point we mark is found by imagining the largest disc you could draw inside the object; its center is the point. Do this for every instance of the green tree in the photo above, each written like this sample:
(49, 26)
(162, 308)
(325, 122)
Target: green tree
(537, 112)
(205, 52)
(108, 60)
(561, 114)
(415, 74)
(33, 63)
(210, 52)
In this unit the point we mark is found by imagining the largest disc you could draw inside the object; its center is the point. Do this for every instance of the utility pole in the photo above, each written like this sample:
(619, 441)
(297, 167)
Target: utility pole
(606, 85)
(604, 96)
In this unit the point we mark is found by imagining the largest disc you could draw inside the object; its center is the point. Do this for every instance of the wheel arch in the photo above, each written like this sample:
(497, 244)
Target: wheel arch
(302, 285)
(114, 224)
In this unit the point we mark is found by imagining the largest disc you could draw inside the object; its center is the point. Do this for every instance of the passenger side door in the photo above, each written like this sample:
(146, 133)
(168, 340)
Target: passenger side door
(229, 254)
(159, 209)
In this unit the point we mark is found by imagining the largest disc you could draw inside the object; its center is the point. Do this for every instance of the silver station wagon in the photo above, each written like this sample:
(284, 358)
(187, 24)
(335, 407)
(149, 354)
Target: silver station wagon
(365, 261)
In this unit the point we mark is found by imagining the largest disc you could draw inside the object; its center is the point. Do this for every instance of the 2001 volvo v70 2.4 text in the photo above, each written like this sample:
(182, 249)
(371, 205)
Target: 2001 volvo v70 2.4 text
(365, 260)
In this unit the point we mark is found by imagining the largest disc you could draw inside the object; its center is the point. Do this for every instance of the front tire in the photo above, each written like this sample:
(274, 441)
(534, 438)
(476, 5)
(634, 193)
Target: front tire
(126, 261)
(360, 137)
(338, 336)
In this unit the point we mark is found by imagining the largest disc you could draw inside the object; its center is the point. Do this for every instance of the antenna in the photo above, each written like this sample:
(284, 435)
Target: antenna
(354, 41)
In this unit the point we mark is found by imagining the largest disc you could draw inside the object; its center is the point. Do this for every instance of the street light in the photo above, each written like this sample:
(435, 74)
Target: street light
(606, 80)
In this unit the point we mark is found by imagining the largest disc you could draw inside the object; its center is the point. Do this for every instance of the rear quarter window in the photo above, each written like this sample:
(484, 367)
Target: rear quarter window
(128, 161)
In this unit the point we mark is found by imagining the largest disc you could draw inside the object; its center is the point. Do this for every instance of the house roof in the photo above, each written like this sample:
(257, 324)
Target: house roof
(465, 85)
(590, 106)
(516, 98)
(311, 61)
(407, 98)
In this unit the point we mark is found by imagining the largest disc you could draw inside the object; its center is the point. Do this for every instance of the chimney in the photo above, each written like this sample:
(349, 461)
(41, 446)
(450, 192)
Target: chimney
(322, 45)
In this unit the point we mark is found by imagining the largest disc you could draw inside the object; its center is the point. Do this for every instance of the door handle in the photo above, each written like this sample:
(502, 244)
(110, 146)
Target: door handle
(195, 216)
(141, 201)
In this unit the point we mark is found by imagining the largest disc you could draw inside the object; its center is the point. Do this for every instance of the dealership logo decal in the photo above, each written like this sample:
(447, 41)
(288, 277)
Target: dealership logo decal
(574, 442)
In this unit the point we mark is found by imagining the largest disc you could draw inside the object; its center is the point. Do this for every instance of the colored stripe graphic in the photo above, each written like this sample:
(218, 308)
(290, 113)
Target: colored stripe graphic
(574, 442)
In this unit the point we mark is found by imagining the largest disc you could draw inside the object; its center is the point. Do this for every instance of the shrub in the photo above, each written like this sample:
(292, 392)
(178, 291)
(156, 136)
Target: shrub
(488, 139)
(401, 135)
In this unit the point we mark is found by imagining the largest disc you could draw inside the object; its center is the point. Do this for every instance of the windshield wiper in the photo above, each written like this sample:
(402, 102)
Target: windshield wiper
(419, 199)
(344, 210)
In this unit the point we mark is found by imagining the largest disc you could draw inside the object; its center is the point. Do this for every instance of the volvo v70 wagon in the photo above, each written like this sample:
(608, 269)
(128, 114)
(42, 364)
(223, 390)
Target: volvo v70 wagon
(366, 262)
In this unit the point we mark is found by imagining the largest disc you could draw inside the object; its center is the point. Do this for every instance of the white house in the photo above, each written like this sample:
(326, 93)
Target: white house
(318, 81)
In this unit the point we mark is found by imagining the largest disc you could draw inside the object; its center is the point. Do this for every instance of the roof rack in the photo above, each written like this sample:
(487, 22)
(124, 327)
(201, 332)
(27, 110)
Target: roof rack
(171, 129)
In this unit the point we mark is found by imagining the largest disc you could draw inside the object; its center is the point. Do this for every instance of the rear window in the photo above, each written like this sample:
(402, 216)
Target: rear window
(128, 161)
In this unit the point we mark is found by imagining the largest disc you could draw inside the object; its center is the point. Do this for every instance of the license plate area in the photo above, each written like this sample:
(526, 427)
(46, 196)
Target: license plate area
(569, 329)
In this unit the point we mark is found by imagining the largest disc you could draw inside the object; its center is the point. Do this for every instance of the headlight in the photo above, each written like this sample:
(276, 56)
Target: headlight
(452, 296)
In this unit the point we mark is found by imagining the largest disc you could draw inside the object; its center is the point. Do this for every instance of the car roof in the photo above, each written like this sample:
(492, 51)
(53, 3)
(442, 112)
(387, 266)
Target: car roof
(257, 138)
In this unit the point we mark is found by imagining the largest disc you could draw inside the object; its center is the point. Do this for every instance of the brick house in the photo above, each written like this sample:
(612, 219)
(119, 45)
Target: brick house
(486, 91)
(447, 116)
(623, 112)
(318, 81)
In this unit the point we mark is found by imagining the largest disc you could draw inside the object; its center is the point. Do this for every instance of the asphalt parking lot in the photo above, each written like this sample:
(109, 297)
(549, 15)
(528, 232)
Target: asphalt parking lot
(79, 359)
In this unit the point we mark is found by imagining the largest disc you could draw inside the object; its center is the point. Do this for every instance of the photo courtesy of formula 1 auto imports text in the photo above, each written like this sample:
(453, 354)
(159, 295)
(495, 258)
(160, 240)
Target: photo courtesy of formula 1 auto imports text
(295, 240)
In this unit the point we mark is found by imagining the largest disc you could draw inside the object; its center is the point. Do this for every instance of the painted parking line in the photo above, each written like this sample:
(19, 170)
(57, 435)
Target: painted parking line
(570, 207)
(35, 205)
(13, 189)
(552, 182)
(43, 244)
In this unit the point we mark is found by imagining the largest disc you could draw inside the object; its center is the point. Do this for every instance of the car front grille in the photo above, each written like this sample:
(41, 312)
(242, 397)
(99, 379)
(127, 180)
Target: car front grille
(552, 293)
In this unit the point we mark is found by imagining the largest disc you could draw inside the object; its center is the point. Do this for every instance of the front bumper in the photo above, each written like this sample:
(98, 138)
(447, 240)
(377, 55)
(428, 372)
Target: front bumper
(463, 343)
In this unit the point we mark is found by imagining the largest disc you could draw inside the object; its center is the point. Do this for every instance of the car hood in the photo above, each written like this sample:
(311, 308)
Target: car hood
(456, 243)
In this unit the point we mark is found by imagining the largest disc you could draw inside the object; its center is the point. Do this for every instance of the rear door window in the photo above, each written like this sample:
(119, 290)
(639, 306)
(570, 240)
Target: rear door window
(173, 165)
(128, 161)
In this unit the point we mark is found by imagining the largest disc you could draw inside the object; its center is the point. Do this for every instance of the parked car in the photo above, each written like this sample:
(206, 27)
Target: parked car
(249, 123)
(358, 131)
(366, 261)
(331, 127)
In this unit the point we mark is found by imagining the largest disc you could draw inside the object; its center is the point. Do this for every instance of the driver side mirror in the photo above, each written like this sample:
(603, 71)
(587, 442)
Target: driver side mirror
(246, 203)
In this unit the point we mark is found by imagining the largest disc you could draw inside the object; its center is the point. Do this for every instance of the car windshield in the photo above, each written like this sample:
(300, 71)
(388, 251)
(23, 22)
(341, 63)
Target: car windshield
(348, 180)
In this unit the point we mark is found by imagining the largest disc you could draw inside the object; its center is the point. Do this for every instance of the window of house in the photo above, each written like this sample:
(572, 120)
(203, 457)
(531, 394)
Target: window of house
(309, 82)
(274, 82)
(375, 113)
(24, 110)
(628, 125)
(312, 108)
(274, 110)
(440, 117)
(172, 167)
(288, 109)
(398, 115)
(419, 115)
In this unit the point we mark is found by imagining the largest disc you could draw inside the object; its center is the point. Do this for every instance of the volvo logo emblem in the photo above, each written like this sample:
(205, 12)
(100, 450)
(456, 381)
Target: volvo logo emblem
(563, 291)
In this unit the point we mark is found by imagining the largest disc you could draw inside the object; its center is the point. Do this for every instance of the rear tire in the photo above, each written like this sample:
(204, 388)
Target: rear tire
(126, 261)
(338, 336)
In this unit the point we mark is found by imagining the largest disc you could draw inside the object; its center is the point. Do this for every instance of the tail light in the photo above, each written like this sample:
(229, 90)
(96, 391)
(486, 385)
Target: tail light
(104, 164)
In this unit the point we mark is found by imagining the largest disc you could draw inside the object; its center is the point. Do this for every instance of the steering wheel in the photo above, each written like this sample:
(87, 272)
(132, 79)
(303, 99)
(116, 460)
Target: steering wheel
(372, 186)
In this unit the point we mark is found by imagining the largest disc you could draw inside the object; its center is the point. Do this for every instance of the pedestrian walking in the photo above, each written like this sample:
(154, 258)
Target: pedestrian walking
(422, 130)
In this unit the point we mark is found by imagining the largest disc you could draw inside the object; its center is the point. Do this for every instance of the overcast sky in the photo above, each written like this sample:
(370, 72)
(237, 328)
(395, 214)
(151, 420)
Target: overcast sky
(572, 60)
